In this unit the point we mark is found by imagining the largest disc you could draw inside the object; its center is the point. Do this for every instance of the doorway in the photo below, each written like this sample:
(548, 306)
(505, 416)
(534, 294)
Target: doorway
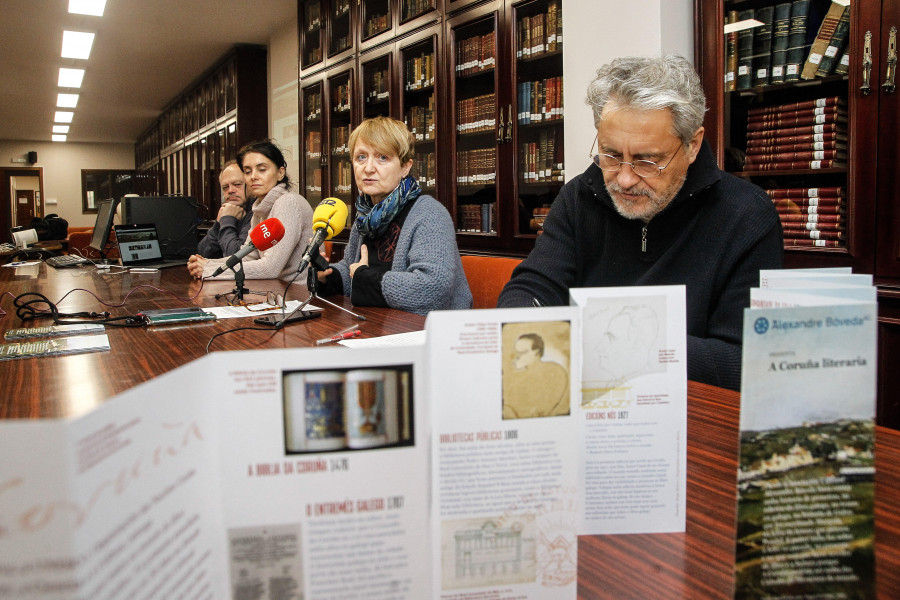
(12, 183)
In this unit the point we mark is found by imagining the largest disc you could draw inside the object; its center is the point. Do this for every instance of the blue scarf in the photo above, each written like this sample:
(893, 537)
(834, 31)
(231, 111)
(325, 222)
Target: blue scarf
(372, 220)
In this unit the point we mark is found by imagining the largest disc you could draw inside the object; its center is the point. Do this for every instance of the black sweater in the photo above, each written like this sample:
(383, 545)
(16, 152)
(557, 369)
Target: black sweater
(714, 238)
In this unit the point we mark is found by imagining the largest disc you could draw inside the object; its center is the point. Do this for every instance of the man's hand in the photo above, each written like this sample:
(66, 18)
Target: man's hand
(363, 260)
(195, 266)
(230, 210)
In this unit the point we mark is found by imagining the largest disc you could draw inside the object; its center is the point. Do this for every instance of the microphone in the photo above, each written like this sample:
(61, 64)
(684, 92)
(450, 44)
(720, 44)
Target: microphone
(329, 219)
(262, 237)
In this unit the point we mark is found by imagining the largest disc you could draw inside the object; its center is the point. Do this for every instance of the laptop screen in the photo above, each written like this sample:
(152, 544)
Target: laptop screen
(137, 243)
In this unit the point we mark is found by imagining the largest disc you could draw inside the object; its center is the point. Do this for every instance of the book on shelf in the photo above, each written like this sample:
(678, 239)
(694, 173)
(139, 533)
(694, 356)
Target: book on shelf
(820, 43)
(775, 139)
(813, 243)
(745, 52)
(798, 217)
(838, 42)
(800, 228)
(815, 235)
(731, 54)
(758, 148)
(795, 165)
(781, 28)
(795, 106)
(797, 44)
(809, 129)
(801, 193)
(797, 119)
(789, 206)
(759, 161)
(762, 46)
(843, 65)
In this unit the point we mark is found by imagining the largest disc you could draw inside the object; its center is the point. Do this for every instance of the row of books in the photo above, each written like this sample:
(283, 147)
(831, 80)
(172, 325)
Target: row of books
(540, 100)
(476, 114)
(343, 174)
(313, 182)
(810, 134)
(476, 167)
(814, 217)
(413, 8)
(541, 161)
(540, 33)
(340, 140)
(425, 169)
(475, 54)
(313, 107)
(419, 72)
(802, 39)
(378, 84)
(376, 24)
(421, 122)
(477, 218)
(340, 97)
(312, 145)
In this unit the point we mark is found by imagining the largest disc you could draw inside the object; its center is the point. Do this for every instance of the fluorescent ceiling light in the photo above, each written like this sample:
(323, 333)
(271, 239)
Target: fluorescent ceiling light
(77, 44)
(87, 7)
(60, 129)
(63, 116)
(70, 78)
(67, 100)
(58, 138)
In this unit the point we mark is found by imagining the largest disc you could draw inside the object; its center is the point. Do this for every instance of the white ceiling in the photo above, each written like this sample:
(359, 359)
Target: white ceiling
(145, 52)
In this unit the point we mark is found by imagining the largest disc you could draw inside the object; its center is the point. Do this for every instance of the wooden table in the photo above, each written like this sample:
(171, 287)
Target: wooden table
(72, 385)
(699, 563)
(692, 565)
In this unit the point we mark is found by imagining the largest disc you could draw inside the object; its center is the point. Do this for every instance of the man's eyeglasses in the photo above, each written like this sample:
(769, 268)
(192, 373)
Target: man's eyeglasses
(273, 302)
(641, 168)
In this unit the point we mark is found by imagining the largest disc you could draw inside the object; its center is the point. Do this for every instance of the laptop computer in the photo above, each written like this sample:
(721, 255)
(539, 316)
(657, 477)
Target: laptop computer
(139, 247)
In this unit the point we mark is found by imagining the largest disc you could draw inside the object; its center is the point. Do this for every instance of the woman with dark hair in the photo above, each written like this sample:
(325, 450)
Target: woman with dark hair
(265, 173)
(402, 250)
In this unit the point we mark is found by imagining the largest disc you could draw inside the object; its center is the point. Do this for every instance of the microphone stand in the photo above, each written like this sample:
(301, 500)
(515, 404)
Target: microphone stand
(312, 282)
(237, 294)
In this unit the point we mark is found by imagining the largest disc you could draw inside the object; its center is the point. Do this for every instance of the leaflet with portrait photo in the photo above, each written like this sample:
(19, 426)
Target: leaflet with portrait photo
(632, 409)
(503, 384)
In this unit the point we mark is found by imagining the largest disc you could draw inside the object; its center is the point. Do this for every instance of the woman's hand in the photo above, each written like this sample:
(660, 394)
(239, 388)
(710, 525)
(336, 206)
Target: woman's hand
(363, 260)
(195, 266)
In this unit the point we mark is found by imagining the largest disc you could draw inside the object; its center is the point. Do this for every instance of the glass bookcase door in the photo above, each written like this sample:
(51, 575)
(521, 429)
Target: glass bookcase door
(377, 17)
(340, 28)
(418, 64)
(416, 13)
(311, 98)
(312, 29)
(478, 128)
(377, 85)
(538, 112)
(340, 124)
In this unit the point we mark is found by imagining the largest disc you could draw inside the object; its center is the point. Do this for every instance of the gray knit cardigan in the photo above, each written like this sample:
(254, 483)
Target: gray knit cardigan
(427, 273)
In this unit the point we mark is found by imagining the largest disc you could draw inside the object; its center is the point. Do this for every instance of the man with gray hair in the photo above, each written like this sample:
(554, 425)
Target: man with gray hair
(655, 209)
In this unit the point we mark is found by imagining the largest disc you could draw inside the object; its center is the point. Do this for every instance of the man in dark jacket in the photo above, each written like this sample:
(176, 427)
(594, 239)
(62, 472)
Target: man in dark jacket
(654, 209)
(233, 221)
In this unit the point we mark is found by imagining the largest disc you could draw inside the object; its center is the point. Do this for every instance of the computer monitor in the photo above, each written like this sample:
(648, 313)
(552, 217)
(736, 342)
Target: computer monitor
(175, 218)
(106, 212)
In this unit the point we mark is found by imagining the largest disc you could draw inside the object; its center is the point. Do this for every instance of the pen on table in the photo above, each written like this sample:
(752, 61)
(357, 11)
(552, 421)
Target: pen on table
(339, 336)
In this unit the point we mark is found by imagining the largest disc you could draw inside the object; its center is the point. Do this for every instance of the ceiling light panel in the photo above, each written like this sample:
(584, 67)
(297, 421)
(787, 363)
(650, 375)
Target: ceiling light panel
(87, 7)
(70, 78)
(63, 116)
(58, 138)
(67, 100)
(77, 44)
(60, 129)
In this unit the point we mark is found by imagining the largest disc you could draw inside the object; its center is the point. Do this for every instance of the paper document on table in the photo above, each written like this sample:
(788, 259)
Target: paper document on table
(633, 409)
(257, 310)
(413, 338)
